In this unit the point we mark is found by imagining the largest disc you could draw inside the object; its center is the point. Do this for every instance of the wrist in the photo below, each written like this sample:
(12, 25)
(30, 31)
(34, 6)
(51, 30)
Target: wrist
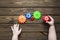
(15, 35)
(51, 25)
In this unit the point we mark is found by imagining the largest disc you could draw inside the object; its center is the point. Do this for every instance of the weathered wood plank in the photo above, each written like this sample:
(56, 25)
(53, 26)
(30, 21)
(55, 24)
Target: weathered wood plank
(13, 19)
(28, 3)
(39, 36)
(23, 35)
(29, 28)
(25, 27)
(6, 34)
(32, 30)
(18, 11)
(26, 36)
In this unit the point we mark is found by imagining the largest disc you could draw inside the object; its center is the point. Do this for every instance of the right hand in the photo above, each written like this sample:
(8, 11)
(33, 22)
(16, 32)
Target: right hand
(15, 29)
(51, 23)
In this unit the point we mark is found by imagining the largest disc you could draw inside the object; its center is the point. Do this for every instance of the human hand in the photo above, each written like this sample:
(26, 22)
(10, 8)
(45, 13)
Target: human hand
(51, 23)
(15, 29)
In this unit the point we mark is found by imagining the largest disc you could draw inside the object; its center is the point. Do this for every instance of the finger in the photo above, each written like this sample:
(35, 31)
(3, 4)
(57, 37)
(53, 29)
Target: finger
(15, 25)
(11, 28)
(20, 30)
(47, 22)
(51, 18)
(18, 26)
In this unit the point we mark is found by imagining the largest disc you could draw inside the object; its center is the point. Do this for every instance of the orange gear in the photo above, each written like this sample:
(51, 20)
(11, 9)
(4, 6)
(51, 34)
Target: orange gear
(21, 19)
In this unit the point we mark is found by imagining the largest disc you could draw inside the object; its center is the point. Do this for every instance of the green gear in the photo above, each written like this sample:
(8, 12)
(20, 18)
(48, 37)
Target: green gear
(37, 15)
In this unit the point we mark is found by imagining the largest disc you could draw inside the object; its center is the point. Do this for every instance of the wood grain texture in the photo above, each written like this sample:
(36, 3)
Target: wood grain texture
(29, 27)
(25, 36)
(29, 3)
(14, 19)
(29, 32)
(32, 30)
(19, 11)
(28, 36)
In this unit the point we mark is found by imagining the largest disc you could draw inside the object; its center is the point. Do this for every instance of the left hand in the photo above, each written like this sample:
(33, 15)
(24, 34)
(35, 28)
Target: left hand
(15, 29)
(51, 23)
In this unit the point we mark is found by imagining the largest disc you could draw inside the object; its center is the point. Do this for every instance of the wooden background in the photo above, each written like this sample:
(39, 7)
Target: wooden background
(36, 30)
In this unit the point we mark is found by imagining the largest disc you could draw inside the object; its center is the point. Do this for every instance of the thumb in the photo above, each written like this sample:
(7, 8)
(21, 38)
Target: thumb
(11, 28)
(48, 22)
